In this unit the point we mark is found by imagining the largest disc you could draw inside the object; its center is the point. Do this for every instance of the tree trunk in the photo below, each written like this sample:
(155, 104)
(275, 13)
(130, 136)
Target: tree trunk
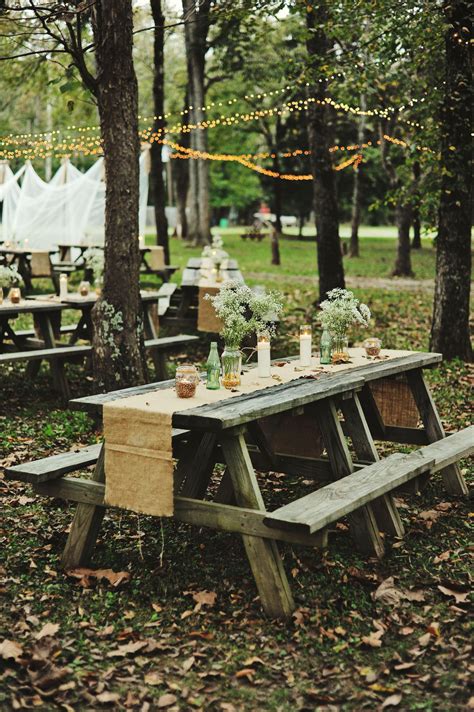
(195, 32)
(330, 267)
(416, 242)
(276, 228)
(403, 216)
(157, 180)
(181, 178)
(119, 355)
(356, 193)
(450, 325)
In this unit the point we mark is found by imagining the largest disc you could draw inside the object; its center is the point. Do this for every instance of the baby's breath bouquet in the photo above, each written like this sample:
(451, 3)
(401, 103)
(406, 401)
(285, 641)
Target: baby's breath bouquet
(341, 310)
(242, 312)
(10, 277)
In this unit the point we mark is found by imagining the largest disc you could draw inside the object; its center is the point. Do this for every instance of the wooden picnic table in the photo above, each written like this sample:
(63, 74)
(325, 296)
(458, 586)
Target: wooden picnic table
(234, 432)
(21, 257)
(192, 272)
(46, 315)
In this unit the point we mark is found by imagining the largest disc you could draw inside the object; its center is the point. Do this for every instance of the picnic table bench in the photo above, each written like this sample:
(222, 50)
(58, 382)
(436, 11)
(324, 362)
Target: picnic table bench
(233, 432)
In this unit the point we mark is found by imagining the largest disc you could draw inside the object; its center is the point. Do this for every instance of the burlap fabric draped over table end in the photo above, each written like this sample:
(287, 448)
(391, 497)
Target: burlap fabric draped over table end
(138, 435)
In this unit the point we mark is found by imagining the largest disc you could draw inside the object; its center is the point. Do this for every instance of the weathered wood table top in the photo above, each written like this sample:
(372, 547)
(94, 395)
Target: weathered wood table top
(274, 399)
(29, 306)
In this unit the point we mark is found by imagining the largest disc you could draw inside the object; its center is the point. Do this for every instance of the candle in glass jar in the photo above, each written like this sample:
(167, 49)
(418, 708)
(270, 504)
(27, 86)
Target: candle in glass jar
(263, 354)
(26, 243)
(305, 345)
(62, 286)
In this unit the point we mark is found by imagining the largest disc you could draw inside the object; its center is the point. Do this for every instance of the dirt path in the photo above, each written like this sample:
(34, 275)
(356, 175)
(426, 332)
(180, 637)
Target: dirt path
(396, 283)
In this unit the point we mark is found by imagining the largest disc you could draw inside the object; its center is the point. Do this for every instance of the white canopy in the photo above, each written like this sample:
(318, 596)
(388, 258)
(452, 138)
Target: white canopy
(70, 209)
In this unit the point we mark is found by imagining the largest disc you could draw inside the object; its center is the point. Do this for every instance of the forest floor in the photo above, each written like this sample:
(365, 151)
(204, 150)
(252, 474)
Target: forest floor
(178, 625)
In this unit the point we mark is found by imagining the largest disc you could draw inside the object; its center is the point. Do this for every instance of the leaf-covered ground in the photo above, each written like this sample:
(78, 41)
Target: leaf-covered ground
(169, 617)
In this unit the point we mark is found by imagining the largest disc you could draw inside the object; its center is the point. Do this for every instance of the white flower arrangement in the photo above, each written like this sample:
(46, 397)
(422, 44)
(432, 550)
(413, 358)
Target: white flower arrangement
(10, 277)
(215, 251)
(341, 310)
(94, 259)
(243, 312)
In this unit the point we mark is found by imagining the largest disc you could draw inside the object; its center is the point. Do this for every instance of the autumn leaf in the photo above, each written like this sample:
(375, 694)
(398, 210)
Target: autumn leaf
(374, 639)
(128, 649)
(460, 597)
(107, 697)
(85, 575)
(167, 700)
(392, 701)
(10, 649)
(204, 598)
(47, 629)
(247, 673)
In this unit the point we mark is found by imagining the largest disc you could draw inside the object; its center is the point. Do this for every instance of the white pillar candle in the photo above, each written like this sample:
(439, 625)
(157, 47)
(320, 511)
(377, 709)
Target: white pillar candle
(263, 354)
(305, 345)
(141, 241)
(62, 286)
(26, 243)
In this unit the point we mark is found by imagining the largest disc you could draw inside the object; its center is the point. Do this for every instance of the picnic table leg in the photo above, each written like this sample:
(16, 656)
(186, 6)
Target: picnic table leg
(57, 366)
(85, 526)
(263, 554)
(195, 468)
(385, 510)
(452, 477)
(363, 523)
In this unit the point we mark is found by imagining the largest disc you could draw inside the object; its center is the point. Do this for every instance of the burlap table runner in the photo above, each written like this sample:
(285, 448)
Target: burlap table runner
(156, 258)
(208, 320)
(40, 263)
(138, 434)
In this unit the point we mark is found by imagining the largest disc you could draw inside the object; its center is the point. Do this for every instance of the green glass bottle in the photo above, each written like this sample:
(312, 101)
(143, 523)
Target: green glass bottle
(325, 347)
(213, 368)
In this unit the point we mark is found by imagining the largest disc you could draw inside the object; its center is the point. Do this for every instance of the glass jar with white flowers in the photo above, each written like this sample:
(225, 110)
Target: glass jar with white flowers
(9, 278)
(94, 259)
(242, 312)
(215, 256)
(339, 312)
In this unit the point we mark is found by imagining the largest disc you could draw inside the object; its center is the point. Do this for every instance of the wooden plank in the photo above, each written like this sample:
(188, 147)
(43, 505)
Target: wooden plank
(263, 555)
(50, 468)
(58, 352)
(237, 520)
(452, 477)
(85, 526)
(246, 408)
(338, 499)
(385, 510)
(198, 467)
(363, 525)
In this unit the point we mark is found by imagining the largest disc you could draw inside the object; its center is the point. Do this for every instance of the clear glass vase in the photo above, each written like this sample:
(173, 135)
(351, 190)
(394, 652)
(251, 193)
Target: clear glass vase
(231, 366)
(339, 348)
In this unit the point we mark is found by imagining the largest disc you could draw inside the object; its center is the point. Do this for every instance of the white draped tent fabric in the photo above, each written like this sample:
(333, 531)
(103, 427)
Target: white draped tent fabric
(68, 210)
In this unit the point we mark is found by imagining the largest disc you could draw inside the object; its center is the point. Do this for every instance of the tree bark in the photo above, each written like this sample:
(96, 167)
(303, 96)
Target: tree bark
(181, 178)
(119, 354)
(356, 192)
(416, 242)
(403, 217)
(276, 228)
(330, 267)
(450, 325)
(195, 32)
(157, 180)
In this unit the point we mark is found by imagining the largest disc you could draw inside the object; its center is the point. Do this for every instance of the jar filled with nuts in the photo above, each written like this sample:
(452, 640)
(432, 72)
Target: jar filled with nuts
(372, 346)
(186, 380)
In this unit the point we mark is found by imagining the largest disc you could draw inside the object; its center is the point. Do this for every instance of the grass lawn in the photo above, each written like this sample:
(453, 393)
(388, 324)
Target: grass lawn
(147, 644)
(299, 257)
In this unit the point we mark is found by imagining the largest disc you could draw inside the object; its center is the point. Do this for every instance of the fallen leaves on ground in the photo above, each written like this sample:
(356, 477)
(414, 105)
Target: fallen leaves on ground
(85, 576)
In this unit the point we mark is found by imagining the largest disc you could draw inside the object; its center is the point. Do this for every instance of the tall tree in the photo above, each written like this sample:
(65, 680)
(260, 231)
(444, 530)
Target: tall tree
(119, 354)
(356, 189)
(196, 27)
(330, 267)
(450, 326)
(157, 180)
(119, 358)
